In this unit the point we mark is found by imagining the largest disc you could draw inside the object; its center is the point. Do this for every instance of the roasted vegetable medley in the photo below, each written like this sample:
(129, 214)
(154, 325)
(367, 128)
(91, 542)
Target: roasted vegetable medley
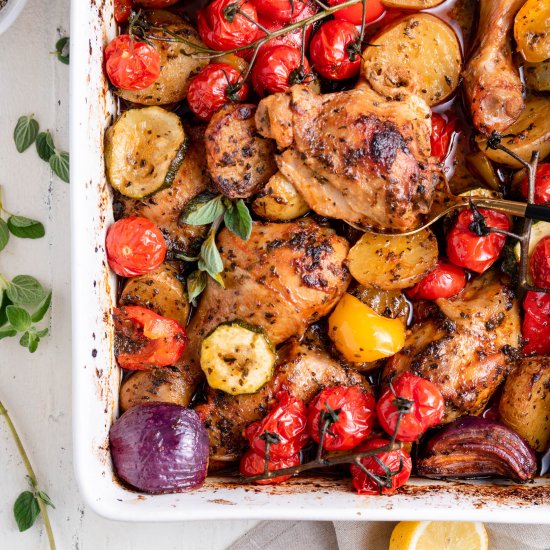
(299, 287)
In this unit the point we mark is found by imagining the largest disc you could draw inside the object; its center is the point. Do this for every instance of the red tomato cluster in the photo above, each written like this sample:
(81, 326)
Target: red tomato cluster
(346, 415)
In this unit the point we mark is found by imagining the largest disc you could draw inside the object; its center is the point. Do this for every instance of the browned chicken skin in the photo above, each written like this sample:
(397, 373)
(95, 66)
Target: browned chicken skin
(463, 346)
(285, 277)
(354, 155)
(303, 369)
(491, 81)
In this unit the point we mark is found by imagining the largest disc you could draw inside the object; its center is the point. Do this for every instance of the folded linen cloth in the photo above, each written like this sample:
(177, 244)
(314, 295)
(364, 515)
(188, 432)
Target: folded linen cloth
(354, 535)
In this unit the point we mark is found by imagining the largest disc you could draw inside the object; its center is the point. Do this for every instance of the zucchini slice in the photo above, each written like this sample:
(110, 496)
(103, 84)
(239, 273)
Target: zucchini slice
(539, 230)
(144, 149)
(237, 358)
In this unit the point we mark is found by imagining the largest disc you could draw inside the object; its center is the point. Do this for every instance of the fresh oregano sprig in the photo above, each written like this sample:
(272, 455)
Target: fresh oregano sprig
(29, 504)
(62, 48)
(205, 209)
(27, 132)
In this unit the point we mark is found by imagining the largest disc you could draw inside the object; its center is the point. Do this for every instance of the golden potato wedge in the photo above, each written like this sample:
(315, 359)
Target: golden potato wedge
(177, 68)
(419, 54)
(529, 133)
(525, 402)
(532, 31)
(157, 385)
(393, 262)
(537, 76)
(412, 4)
(279, 201)
(160, 291)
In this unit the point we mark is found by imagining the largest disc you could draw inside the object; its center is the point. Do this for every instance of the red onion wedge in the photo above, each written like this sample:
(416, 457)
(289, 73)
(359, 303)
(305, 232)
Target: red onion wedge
(160, 448)
(478, 447)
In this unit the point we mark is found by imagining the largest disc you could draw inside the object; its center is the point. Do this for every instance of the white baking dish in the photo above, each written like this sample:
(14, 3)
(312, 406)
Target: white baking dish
(96, 377)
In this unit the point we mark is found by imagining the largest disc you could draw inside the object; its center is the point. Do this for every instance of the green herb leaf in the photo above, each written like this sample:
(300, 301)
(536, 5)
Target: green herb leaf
(203, 210)
(19, 318)
(196, 283)
(42, 333)
(34, 340)
(25, 339)
(4, 234)
(25, 132)
(7, 332)
(59, 163)
(210, 260)
(42, 308)
(238, 220)
(45, 498)
(24, 289)
(4, 303)
(44, 145)
(26, 510)
(25, 228)
(62, 47)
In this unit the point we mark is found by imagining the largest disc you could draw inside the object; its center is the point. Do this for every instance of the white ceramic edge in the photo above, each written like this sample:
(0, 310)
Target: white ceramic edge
(10, 13)
(95, 379)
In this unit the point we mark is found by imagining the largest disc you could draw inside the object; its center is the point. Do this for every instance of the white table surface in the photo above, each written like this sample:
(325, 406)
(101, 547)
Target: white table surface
(36, 389)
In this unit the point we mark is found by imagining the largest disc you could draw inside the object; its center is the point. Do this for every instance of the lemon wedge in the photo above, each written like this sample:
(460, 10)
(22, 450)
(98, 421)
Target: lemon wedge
(439, 535)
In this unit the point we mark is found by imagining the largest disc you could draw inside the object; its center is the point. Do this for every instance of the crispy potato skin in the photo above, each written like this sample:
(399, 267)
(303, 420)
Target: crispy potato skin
(531, 30)
(157, 385)
(176, 68)
(239, 160)
(525, 402)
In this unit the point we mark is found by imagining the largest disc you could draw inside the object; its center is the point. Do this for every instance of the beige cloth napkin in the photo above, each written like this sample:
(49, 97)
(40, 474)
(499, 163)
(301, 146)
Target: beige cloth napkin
(353, 535)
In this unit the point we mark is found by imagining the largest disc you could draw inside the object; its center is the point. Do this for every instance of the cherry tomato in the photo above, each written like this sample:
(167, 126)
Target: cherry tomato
(335, 52)
(135, 246)
(540, 263)
(536, 323)
(213, 88)
(131, 65)
(279, 10)
(443, 130)
(466, 249)
(156, 3)
(287, 421)
(145, 340)
(351, 412)
(394, 460)
(360, 334)
(222, 29)
(444, 281)
(354, 14)
(542, 184)
(253, 464)
(123, 9)
(426, 406)
(277, 68)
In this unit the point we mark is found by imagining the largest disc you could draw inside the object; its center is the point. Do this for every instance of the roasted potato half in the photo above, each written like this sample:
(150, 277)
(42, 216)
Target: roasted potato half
(529, 133)
(525, 402)
(158, 385)
(532, 31)
(419, 54)
(537, 76)
(393, 262)
(160, 291)
(279, 201)
(177, 67)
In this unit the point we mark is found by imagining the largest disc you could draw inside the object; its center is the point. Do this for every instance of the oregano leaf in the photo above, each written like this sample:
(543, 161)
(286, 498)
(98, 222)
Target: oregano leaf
(34, 340)
(238, 220)
(24, 289)
(25, 228)
(45, 498)
(62, 49)
(25, 132)
(18, 318)
(203, 210)
(25, 339)
(44, 145)
(7, 332)
(196, 283)
(42, 308)
(4, 234)
(59, 163)
(210, 259)
(26, 510)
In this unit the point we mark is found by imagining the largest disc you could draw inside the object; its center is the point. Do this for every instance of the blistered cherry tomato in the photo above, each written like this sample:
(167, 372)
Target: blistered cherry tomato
(213, 88)
(287, 422)
(279, 10)
(335, 52)
(131, 65)
(135, 246)
(221, 28)
(398, 460)
(443, 129)
(253, 464)
(145, 340)
(539, 263)
(466, 249)
(444, 281)
(277, 68)
(426, 406)
(156, 3)
(354, 14)
(536, 323)
(123, 9)
(542, 184)
(349, 412)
